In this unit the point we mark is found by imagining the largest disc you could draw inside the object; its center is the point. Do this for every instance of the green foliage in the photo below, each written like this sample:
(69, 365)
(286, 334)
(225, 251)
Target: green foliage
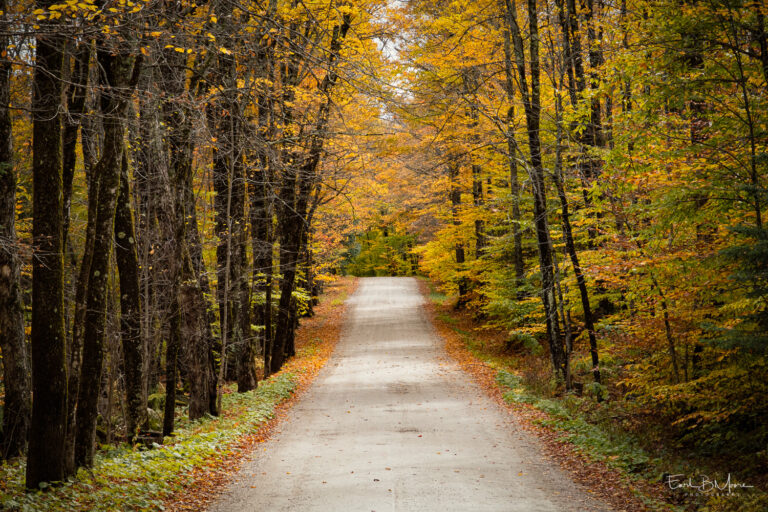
(380, 253)
(135, 478)
(618, 451)
(302, 297)
(751, 258)
(508, 305)
(527, 341)
(596, 390)
(724, 409)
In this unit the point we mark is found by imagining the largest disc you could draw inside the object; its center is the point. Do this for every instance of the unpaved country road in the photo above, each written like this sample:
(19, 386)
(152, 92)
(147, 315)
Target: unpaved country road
(391, 424)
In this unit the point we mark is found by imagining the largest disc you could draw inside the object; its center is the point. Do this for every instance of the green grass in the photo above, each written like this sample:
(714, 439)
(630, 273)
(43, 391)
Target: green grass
(437, 297)
(616, 449)
(338, 301)
(434, 294)
(133, 478)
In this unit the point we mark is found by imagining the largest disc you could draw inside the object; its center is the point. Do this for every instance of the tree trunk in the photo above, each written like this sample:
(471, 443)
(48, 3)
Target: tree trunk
(570, 246)
(15, 360)
(201, 293)
(75, 107)
(290, 226)
(512, 151)
(532, 105)
(455, 197)
(75, 356)
(171, 364)
(295, 193)
(261, 247)
(470, 89)
(193, 332)
(130, 307)
(116, 69)
(153, 215)
(45, 460)
(178, 118)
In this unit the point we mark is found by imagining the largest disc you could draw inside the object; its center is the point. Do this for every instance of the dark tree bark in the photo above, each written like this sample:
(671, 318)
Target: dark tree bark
(532, 105)
(17, 407)
(78, 326)
(76, 94)
(295, 193)
(205, 352)
(570, 247)
(179, 117)
(229, 185)
(260, 213)
(512, 152)
(261, 208)
(153, 203)
(116, 69)
(45, 459)
(76, 104)
(130, 307)
(262, 248)
(192, 330)
(246, 357)
(455, 198)
(172, 364)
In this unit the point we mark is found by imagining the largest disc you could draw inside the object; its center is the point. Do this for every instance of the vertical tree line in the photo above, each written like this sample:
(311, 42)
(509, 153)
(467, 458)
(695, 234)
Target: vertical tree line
(165, 125)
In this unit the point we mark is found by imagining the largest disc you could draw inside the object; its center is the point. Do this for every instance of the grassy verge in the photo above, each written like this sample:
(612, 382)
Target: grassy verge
(132, 478)
(586, 436)
(190, 468)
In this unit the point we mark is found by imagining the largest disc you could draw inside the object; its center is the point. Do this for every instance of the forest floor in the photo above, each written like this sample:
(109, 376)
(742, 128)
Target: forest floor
(393, 423)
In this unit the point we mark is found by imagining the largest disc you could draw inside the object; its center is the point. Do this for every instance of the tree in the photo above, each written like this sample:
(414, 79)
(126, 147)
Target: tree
(45, 459)
(116, 70)
(16, 371)
(532, 105)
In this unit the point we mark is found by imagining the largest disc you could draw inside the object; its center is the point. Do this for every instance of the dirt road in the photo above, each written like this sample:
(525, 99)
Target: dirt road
(392, 425)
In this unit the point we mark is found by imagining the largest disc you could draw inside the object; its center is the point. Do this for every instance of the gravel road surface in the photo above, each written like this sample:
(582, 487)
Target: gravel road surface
(391, 424)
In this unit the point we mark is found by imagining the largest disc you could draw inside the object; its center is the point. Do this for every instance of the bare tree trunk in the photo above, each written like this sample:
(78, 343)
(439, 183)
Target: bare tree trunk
(455, 197)
(178, 118)
(193, 332)
(261, 246)
(17, 407)
(130, 307)
(78, 325)
(261, 208)
(117, 70)
(75, 107)
(295, 194)
(171, 364)
(532, 105)
(205, 352)
(45, 460)
(512, 150)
